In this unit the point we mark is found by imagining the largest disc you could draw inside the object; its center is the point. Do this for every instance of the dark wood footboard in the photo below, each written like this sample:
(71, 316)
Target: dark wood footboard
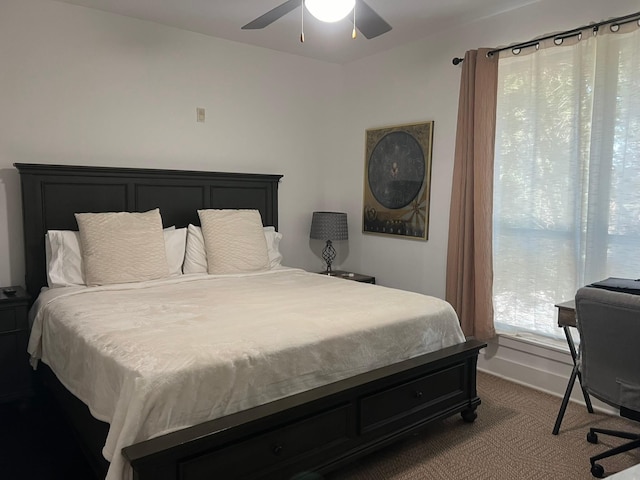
(319, 430)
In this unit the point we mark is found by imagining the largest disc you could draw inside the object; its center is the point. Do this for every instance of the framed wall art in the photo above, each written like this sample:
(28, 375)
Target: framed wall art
(397, 180)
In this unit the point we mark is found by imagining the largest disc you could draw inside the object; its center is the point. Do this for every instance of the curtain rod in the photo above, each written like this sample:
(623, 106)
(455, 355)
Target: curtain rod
(562, 35)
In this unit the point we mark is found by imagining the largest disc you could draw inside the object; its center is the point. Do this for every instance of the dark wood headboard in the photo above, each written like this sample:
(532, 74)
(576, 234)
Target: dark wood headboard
(51, 194)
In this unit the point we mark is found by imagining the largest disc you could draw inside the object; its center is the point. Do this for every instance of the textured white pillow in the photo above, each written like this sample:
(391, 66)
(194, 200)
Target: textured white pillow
(64, 258)
(195, 260)
(122, 247)
(234, 241)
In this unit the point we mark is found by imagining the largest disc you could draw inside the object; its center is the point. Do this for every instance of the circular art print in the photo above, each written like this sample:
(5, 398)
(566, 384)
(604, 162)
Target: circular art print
(397, 180)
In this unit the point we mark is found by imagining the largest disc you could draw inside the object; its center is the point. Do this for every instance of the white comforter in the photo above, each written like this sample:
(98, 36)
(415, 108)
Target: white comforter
(155, 357)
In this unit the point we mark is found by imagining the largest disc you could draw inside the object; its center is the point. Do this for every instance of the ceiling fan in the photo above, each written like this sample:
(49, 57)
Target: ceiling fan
(368, 21)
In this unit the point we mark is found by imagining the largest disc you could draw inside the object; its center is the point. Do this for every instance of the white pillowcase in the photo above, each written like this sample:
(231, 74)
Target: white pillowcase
(175, 242)
(273, 246)
(234, 241)
(195, 259)
(64, 257)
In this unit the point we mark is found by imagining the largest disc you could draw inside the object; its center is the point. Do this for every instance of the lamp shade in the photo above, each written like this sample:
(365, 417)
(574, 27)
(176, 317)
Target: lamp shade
(329, 226)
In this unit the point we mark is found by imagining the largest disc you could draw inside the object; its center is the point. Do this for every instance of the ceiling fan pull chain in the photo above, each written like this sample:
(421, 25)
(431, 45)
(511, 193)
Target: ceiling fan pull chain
(353, 33)
(302, 24)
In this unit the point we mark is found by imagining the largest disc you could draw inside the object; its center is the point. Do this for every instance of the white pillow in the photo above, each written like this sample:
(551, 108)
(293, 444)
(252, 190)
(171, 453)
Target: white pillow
(273, 246)
(64, 258)
(234, 241)
(122, 247)
(195, 260)
(175, 240)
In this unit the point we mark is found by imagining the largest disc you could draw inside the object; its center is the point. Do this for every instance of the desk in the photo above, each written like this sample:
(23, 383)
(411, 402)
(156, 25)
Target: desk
(567, 320)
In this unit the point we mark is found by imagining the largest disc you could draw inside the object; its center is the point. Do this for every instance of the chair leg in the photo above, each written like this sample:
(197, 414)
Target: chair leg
(596, 469)
(616, 433)
(614, 451)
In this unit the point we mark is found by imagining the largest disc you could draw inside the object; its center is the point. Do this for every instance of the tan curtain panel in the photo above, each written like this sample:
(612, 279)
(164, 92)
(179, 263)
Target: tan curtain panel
(469, 258)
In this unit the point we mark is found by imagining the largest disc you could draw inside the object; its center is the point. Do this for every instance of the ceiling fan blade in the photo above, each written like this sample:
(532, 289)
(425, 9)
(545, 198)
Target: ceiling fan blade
(272, 15)
(369, 22)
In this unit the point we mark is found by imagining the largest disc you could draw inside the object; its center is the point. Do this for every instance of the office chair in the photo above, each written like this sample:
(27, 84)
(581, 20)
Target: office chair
(609, 326)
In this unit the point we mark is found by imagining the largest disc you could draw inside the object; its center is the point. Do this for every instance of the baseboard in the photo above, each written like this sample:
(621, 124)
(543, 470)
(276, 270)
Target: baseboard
(540, 366)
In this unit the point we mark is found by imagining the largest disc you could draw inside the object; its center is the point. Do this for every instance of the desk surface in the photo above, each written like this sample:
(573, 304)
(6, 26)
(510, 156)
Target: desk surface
(567, 314)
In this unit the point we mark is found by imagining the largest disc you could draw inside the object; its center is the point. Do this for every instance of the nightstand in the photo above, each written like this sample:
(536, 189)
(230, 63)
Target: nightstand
(358, 277)
(15, 371)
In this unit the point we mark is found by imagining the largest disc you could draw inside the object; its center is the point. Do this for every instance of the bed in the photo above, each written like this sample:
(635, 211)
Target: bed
(314, 423)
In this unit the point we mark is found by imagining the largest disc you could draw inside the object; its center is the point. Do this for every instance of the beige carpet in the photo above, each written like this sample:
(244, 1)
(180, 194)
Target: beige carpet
(510, 440)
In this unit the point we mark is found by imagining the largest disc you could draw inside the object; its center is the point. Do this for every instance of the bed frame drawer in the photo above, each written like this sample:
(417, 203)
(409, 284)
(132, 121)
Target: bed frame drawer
(421, 394)
(272, 450)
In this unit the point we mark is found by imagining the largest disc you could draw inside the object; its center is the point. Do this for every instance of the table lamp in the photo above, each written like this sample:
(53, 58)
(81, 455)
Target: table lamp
(329, 226)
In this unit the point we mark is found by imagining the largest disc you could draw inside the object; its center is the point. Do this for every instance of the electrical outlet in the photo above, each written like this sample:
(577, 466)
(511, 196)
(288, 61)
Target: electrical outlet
(200, 114)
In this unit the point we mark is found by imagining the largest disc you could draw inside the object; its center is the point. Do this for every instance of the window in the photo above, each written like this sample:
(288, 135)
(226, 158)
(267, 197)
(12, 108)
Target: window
(567, 175)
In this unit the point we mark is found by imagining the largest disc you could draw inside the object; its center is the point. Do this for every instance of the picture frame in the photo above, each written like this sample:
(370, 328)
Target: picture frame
(397, 180)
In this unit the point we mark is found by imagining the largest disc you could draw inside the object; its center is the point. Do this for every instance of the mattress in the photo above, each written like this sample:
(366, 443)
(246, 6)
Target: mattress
(154, 357)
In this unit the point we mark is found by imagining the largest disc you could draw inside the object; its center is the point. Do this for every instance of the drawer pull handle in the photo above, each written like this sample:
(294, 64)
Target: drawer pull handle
(277, 449)
(417, 394)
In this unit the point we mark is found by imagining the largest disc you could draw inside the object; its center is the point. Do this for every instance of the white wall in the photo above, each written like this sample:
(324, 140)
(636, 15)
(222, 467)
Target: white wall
(80, 86)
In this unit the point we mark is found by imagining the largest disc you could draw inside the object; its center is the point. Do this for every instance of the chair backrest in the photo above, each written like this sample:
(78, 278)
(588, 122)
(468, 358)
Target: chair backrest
(609, 326)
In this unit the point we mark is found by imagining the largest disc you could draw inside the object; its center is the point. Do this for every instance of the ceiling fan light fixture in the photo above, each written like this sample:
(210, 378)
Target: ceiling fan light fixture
(329, 10)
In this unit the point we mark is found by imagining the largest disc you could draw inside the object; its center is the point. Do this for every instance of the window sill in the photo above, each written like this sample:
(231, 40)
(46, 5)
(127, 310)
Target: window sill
(529, 350)
(555, 345)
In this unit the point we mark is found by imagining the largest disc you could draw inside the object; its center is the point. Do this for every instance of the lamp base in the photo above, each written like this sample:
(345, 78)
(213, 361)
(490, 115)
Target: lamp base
(328, 255)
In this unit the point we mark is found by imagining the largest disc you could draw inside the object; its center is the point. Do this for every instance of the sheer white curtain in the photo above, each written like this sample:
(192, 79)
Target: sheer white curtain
(567, 174)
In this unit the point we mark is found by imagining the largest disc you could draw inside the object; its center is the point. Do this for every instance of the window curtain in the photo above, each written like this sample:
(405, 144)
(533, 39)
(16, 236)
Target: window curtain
(469, 255)
(567, 173)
